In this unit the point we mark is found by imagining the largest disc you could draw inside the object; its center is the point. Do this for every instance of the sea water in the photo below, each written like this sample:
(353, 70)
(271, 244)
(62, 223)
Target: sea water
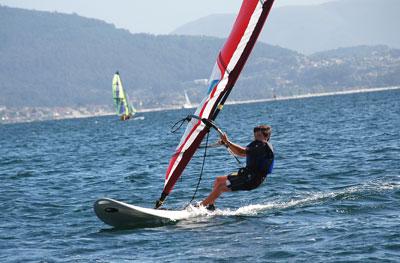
(334, 194)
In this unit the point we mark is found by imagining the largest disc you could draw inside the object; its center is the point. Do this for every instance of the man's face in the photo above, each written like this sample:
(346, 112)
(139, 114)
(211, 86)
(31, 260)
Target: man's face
(259, 136)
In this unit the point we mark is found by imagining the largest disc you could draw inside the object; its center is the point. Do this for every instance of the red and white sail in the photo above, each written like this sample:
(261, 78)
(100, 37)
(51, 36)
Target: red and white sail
(230, 62)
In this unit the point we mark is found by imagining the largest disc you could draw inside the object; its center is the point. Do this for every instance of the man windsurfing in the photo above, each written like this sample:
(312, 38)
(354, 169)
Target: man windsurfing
(229, 63)
(259, 163)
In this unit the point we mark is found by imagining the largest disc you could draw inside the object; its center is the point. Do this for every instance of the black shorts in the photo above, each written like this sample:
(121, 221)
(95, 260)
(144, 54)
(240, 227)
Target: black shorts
(243, 179)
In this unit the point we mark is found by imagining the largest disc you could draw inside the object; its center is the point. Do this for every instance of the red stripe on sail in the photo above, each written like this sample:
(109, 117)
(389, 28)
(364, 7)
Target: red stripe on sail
(239, 27)
(246, 53)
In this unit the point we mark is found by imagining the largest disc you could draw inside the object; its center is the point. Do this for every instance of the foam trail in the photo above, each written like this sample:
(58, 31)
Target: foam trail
(255, 209)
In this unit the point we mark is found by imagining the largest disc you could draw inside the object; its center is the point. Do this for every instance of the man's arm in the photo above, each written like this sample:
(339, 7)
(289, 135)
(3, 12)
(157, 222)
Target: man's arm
(235, 148)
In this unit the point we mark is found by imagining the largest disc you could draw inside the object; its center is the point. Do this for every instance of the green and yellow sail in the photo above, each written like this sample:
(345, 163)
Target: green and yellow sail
(122, 106)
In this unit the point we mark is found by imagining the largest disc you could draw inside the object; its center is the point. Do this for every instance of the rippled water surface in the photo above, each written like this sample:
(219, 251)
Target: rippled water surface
(334, 194)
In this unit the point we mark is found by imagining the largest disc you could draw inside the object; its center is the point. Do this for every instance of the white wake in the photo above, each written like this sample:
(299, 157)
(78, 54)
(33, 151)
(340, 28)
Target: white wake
(308, 199)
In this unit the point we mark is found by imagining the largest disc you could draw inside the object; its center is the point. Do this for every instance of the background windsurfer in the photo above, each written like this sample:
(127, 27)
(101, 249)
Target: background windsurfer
(259, 162)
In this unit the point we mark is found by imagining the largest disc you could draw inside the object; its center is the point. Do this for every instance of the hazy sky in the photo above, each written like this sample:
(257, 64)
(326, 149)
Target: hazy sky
(157, 16)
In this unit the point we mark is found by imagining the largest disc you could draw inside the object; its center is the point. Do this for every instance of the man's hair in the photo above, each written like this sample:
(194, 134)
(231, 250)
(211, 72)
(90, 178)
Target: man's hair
(266, 130)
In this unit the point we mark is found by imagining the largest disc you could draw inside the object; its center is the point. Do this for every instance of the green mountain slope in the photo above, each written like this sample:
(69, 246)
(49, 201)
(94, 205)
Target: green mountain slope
(52, 59)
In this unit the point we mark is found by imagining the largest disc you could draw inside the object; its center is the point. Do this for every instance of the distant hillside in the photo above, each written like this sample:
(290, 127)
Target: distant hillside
(52, 59)
(309, 29)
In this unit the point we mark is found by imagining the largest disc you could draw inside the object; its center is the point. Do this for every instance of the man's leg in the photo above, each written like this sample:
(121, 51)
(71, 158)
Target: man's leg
(219, 188)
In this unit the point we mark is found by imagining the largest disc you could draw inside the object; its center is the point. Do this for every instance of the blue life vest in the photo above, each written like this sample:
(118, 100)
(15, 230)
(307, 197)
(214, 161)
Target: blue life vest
(259, 158)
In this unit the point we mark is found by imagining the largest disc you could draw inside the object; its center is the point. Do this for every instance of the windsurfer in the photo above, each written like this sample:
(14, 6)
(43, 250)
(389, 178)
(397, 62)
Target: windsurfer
(259, 162)
(125, 117)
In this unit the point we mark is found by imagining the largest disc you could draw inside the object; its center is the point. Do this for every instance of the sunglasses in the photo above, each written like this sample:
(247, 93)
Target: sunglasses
(257, 129)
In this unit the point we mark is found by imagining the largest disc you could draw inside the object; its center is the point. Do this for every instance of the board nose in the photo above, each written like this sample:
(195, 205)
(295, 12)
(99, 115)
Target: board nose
(111, 210)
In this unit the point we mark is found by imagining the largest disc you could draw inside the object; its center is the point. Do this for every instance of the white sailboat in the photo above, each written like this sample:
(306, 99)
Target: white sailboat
(187, 104)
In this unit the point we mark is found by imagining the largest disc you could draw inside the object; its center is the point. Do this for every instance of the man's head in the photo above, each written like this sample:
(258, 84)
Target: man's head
(262, 133)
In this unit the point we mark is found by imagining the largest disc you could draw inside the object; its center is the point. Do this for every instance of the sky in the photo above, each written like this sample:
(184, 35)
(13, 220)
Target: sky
(144, 16)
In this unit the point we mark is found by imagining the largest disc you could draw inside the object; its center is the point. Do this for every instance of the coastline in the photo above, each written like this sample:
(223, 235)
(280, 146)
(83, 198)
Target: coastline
(311, 95)
(295, 97)
(84, 113)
